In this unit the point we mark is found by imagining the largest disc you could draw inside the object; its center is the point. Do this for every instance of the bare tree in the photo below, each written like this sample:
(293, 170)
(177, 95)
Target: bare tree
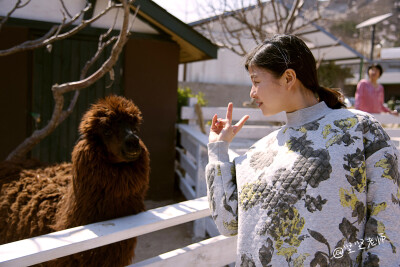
(237, 25)
(60, 32)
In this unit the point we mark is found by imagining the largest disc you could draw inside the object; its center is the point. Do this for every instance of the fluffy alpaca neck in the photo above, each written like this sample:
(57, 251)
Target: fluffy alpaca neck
(101, 190)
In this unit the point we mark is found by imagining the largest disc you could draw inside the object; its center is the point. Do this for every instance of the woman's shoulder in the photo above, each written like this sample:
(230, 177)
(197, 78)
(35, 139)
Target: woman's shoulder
(363, 82)
(359, 115)
(268, 139)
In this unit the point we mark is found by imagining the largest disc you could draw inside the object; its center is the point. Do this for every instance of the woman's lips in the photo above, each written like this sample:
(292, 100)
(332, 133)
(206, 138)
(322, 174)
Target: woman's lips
(259, 104)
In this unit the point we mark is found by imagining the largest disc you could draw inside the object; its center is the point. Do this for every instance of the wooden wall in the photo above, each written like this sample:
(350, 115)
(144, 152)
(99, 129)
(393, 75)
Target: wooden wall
(14, 91)
(148, 74)
(151, 81)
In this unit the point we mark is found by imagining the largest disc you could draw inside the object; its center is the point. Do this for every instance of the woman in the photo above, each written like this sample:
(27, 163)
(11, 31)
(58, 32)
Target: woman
(370, 94)
(322, 190)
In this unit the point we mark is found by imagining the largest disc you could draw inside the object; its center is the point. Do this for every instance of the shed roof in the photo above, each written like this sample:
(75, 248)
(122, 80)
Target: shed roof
(152, 20)
(194, 46)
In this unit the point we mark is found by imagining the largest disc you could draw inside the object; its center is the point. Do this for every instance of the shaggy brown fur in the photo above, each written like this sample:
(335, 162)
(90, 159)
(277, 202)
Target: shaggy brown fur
(108, 178)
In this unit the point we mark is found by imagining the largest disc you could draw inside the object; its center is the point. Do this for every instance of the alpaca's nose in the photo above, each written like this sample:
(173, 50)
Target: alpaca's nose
(132, 142)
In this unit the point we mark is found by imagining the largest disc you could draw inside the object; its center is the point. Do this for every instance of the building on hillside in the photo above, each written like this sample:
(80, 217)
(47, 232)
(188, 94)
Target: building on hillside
(147, 73)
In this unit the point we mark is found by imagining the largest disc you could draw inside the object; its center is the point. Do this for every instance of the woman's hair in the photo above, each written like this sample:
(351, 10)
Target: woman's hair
(378, 66)
(284, 52)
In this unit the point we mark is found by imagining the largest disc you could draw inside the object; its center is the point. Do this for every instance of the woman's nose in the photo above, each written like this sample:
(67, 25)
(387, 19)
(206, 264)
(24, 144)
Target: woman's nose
(252, 92)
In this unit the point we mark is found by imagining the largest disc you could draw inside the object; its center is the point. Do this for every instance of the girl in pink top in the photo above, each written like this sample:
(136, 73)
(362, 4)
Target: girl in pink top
(370, 94)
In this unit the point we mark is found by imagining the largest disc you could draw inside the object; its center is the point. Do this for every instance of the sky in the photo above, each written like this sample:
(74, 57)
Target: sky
(185, 10)
(193, 10)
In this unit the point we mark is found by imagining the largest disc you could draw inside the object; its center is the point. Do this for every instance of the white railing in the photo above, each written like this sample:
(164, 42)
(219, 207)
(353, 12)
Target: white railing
(216, 251)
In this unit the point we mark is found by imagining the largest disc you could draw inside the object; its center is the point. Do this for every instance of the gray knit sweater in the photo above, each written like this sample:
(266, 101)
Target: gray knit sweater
(323, 190)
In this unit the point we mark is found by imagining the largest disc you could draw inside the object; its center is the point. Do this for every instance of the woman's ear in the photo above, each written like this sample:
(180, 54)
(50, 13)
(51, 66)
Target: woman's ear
(290, 77)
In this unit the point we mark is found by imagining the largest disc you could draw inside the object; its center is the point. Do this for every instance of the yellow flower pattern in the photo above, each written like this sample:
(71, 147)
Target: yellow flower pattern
(299, 261)
(326, 131)
(232, 225)
(248, 196)
(361, 170)
(384, 163)
(288, 232)
(347, 199)
(347, 123)
(376, 208)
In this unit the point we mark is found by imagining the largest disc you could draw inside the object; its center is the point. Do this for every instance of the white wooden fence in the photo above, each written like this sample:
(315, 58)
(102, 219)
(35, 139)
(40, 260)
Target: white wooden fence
(216, 251)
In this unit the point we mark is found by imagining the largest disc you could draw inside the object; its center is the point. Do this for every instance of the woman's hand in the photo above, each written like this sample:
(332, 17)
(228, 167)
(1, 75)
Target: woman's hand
(222, 129)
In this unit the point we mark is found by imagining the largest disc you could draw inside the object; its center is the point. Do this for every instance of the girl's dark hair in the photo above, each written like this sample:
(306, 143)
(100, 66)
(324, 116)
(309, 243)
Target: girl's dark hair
(284, 52)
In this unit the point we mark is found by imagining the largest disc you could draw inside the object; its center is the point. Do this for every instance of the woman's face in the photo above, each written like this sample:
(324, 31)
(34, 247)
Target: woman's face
(269, 92)
(374, 73)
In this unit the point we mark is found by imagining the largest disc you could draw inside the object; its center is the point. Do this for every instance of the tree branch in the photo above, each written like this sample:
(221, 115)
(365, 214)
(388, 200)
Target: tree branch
(256, 24)
(53, 34)
(278, 28)
(58, 90)
(18, 5)
(65, 9)
(296, 6)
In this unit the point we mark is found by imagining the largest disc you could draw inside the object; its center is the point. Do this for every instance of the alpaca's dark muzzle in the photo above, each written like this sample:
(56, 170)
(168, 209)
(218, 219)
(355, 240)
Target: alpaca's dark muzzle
(131, 147)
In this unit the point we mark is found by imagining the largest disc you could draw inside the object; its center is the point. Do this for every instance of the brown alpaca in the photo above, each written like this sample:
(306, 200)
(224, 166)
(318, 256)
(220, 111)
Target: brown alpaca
(108, 178)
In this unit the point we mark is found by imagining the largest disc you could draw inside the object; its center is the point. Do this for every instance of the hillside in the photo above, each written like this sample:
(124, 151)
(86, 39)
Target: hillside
(342, 16)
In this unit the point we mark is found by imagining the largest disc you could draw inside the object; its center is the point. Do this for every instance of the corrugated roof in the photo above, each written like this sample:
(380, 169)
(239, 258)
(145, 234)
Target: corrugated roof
(374, 20)
(328, 47)
(324, 45)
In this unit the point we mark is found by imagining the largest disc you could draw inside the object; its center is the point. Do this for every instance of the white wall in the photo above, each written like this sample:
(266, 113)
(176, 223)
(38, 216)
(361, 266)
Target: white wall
(228, 68)
(51, 11)
(42, 10)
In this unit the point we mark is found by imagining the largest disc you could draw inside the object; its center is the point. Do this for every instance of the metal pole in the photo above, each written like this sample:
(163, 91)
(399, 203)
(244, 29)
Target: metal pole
(372, 42)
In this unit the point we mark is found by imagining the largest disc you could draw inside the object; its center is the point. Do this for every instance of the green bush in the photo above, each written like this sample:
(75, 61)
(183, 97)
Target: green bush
(183, 99)
(332, 75)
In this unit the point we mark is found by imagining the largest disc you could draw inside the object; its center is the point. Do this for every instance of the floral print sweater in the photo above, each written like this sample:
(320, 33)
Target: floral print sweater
(323, 190)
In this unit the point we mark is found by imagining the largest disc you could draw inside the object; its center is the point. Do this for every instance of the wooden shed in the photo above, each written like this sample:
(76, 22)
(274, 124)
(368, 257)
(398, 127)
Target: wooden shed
(147, 73)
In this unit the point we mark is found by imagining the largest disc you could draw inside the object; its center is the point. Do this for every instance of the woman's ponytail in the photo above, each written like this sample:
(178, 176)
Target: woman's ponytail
(333, 98)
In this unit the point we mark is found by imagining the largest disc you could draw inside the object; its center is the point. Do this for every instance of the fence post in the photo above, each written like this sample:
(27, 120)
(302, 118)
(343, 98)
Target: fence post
(199, 226)
(192, 103)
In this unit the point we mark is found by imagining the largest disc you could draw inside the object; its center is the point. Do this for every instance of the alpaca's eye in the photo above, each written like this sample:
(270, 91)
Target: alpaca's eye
(134, 129)
(107, 132)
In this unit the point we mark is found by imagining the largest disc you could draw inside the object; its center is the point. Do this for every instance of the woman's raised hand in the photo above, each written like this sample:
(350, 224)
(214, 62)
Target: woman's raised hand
(222, 129)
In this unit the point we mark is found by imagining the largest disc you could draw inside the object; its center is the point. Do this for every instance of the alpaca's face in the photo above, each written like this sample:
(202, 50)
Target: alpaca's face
(112, 124)
(121, 140)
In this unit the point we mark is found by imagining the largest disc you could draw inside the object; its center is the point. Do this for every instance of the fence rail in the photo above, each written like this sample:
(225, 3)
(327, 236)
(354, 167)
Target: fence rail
(192, 158)
(58, 244)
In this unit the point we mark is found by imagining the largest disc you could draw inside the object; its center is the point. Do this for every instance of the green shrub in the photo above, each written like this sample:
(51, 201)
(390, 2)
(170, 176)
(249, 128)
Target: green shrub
(332, 75)
(183, 99)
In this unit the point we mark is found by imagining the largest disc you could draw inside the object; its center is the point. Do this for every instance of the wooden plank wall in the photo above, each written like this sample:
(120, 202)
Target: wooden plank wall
(63, 64)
